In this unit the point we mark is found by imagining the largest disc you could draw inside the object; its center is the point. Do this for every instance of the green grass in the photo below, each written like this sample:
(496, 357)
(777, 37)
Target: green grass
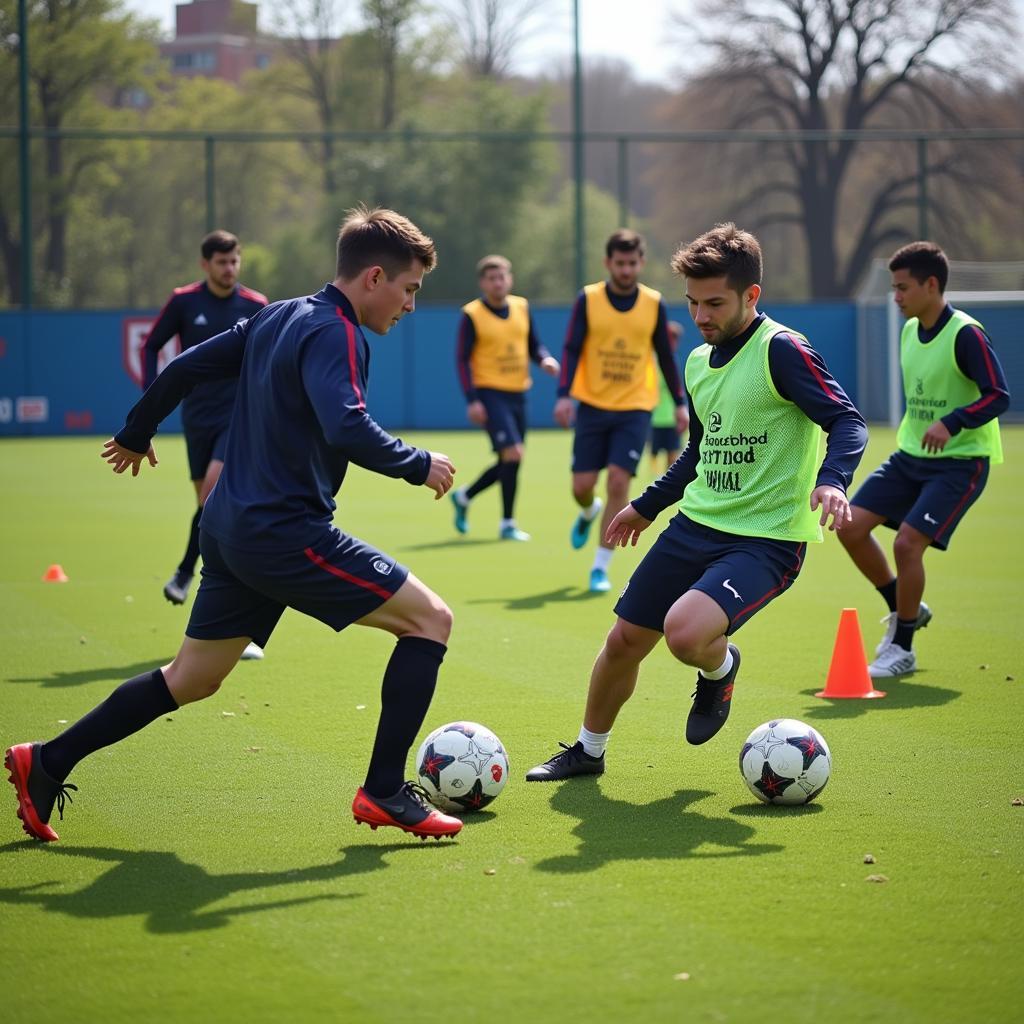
(209, 867)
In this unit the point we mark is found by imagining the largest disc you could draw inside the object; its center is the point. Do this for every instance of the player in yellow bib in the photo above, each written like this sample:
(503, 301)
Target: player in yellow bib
(750, 492)
(497, 339)
(617, 331)
(954, 389)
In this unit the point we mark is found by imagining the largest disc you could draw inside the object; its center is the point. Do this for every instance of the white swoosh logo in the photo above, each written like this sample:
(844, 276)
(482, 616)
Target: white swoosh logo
(928, 519)
(732, 590)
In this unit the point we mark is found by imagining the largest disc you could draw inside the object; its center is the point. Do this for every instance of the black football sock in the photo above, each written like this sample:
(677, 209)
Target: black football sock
(904, 635)
(486, 478)
(888, 592)
(188, 563)
(509, 482)
(132, 706)
(405, 696)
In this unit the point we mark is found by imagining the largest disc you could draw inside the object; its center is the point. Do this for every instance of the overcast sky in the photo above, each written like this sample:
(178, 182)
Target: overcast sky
(635, 31)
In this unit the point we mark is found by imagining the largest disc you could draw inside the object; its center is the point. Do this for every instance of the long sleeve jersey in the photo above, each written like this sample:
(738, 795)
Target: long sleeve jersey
(299, 419)
(195, 314)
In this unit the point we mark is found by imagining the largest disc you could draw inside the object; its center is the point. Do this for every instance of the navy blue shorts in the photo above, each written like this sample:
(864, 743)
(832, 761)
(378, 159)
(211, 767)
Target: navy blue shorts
(665, 439)
(203, 447)
(741, 574)
(506, 416)
(931, 495)
(337, 580)
(605, 438)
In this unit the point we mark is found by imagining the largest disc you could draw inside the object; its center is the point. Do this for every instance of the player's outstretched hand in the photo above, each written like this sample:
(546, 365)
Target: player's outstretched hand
(441, 475)
(832, 501)
(121, 458)
(551, 366)
(626, 528)
(564, 412)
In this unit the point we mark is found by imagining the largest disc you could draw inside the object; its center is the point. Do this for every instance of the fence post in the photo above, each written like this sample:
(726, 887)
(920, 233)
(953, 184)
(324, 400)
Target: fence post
(922, 188)
(24, 158)
(623, 177)
(577, 144)
(211, 184)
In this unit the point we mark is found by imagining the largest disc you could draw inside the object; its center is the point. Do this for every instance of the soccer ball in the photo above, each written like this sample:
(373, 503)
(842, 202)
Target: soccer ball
(785, 762)
(462, 766)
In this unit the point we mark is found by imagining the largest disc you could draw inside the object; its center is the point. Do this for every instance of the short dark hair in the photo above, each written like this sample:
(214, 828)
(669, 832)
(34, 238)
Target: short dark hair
(625, 240)
(922, 260)
(218, 241)
(493, 262)
(381, 238)
(724, 251)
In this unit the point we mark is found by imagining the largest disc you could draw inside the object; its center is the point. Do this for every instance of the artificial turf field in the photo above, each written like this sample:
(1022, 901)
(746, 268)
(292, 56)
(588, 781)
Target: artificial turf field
(210, 868)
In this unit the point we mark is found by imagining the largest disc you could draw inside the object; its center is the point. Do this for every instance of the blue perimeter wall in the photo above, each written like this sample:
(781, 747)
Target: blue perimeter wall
(69, 372)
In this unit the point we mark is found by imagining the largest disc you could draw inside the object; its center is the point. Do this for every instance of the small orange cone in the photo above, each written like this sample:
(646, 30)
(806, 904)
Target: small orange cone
(848, 673)
(55, 574)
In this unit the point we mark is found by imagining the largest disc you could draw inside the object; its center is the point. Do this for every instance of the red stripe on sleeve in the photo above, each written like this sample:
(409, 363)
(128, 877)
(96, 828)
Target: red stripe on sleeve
(353, 362)
(985, 355)
(814, 370)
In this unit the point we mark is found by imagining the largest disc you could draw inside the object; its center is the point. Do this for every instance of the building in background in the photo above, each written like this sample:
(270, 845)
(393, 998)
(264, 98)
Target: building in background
(217, 39)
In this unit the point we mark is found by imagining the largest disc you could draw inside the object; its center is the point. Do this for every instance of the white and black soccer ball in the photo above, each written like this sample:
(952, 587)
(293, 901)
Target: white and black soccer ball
(462, 766)
(785, 762)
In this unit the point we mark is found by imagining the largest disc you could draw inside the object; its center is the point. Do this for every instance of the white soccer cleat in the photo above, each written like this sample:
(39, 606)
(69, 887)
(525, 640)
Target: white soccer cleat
(252, 652)
(924, 616)
(891, 662)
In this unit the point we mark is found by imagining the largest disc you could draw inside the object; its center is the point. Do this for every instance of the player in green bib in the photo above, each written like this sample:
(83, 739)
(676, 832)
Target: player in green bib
(751, 492)
(955, 389)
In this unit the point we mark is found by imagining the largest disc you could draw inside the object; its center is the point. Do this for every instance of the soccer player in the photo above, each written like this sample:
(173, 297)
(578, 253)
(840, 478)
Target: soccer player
(616, 329)
(665, 435)
(194, 313)
(954, 388)
(267, 537)
(497, 338)
(749, 488)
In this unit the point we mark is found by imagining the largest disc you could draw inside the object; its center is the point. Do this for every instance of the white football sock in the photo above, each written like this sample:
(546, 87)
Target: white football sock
(603, 558)
(722, 671)
(594, 743)
(592, 509)
(507, 522)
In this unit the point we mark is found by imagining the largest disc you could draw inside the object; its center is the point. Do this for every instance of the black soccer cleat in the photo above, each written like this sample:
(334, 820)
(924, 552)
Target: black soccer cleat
(568, 762)
(711, 703)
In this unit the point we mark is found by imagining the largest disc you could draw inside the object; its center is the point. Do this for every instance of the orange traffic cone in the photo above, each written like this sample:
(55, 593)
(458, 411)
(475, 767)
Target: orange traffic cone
(848, 673)
(55, 574)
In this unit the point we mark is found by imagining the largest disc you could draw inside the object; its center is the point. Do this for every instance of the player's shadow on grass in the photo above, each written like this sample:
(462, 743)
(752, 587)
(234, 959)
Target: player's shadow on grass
(899, 694)
(110, 674)
(172, 895)
(454, 542)
(611, 830)
(530, 601)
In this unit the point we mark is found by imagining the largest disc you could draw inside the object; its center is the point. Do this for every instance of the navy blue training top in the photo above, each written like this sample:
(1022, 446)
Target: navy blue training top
(799, 375)
(194, 314)
(576, 335)
(299, 419)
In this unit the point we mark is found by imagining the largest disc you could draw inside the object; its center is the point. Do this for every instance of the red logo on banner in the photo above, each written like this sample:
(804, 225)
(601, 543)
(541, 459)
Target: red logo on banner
(134, 330)
(78, 419)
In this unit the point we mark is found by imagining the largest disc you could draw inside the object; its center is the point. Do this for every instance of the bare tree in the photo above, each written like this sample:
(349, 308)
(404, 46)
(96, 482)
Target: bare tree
(846, 64)
(309, 33)
(387, 18)
(491, 32)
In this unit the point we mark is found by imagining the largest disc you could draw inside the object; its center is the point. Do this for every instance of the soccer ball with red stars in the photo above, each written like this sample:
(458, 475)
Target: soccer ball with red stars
(462, 766)
(785, 762)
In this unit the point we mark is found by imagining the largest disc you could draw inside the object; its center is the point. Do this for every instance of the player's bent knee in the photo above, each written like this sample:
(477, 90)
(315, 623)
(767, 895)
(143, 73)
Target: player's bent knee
(685, 645)
(625, 643)
(908, 546)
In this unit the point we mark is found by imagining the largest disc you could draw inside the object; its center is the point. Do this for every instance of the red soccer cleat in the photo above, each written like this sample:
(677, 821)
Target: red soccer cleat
(36, 791)
(408, 810)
